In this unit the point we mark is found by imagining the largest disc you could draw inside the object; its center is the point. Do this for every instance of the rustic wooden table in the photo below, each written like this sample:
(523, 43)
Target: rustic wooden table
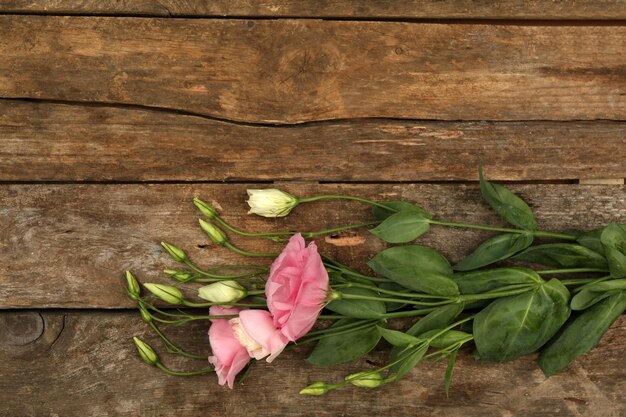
(115, 114)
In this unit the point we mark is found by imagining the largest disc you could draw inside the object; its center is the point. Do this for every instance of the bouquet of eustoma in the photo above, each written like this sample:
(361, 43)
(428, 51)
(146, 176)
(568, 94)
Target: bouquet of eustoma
(505, 311)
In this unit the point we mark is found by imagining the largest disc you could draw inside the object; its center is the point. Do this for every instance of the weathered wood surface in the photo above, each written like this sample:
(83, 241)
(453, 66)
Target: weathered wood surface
(68, 245)
(61, 142)
(399, 9)
(84, 363)
(293, 71)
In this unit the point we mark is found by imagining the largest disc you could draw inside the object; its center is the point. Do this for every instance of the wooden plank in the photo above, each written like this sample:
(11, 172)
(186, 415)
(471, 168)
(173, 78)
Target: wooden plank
(68, 245)
(92, 353)
(58, 142)
(390, 9)
(293, 71)
(602, 181)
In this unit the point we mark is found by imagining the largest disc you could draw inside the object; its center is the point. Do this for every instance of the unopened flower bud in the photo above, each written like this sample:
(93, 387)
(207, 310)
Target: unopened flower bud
(166, 293)
(182, 276)
(205, 208)
(176, 253)
(316, 388)
(132, 286)
(215, 233)
(271, 202)
(222, 292)
(146, 353)
(145, 315)
(366, 379)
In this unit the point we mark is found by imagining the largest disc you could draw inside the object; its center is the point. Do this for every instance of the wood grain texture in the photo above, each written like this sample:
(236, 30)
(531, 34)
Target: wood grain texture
(293, 71)
(58, 142)
(84, 363)
(68, 245)
(441, 9)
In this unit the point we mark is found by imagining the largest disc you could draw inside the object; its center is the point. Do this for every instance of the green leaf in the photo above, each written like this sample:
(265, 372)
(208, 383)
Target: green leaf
(436, 319)
(592, 293)
(399, 339)
(477, 282)
(447, 339)
(591, 240)
(514, 326)
(495, 249)
(581, 334)
(344, 347)
(509, 206)
(448, 378)
(414, 355)
(402, 227)
(416, 267)
(359, 309)
(381, 213)
(563, 255)
(613, 240)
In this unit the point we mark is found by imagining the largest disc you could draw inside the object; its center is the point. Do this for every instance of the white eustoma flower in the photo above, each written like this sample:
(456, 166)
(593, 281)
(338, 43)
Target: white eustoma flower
(222, 292)
(271, 202)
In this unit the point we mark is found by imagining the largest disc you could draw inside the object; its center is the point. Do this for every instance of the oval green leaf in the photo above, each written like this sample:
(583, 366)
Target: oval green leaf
(402, 227)
(358, 309)
(477, 282)
(381, 213)
(613, 240)
(581, 334)
(563, 255)
(514, 326)
(399, 339)
(344, 347)
(413, 356)
(437, 319)
(509, 206)
(590, 294)
(416, 267)
(495, 249)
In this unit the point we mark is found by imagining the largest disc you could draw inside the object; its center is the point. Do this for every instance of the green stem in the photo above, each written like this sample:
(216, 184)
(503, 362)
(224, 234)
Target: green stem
(570, 270)
(338, 328)
(595, 281)
(491, 295)
(504, 229)
(331, 317)
(578, 281)
(396, 293)
(172, 347)
(246, 253)
(203, 305)
(322, 336)
(412, 313)
(275, 236)
(345, 197)
(392, 300)
(199, 270)
(179, 373)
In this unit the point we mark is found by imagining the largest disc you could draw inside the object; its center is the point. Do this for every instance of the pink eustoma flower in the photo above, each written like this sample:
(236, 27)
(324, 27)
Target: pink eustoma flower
(255, 330)
(229, 356)
(296, 288)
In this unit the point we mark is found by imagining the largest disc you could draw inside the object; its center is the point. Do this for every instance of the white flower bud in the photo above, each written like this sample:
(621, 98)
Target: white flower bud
(316, 388)
(166, 293)
(271, 202)
(222, 292)
(215, 233)
(146, 353)
(366, 379)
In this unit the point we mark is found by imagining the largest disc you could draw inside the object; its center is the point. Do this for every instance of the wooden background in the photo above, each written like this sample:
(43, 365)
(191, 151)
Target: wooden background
(115, 114)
